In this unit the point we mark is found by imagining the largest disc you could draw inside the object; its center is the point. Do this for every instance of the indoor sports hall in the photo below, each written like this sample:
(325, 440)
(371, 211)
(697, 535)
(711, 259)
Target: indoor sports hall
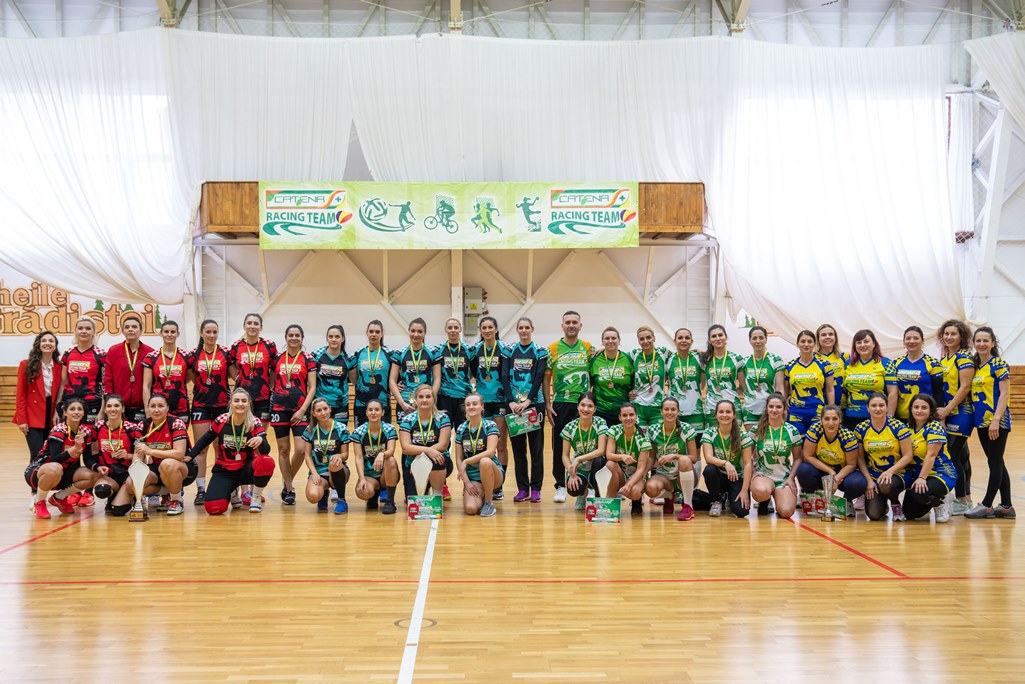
(487, 341)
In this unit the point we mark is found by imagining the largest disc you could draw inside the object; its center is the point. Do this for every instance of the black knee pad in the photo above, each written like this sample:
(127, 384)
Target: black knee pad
(120, 511)
(103, 491)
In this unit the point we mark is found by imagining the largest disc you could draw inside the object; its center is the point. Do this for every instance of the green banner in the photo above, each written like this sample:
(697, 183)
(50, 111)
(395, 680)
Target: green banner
(367, 215)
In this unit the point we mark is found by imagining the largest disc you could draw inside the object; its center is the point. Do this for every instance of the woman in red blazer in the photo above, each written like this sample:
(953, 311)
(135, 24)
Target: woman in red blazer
(39, 382)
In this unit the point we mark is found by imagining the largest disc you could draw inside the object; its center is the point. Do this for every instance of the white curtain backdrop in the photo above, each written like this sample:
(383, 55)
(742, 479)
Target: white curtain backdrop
(960, 153)
(1002, 59)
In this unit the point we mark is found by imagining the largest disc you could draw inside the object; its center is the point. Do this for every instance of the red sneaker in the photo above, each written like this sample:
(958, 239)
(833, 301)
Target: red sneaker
(668, 508)
(686, 513)
(73, 499)
(444, 493)
(42, 512)
(62, 505)
(85, 499)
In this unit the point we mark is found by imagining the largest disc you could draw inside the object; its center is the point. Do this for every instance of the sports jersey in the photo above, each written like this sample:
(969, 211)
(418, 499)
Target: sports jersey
(942, 467)
(111, 441)
(650, 376)
(85, 369)
(425, 433)
(414, 369)
(255, 365)
(291, 375)
(164, 434)
(455, 368)
(524, 372)
(722, 447)
(960, 421)
(372, 370)
(882, 447)
(333, 377)
(862, 379)
(569, 366)
(759, 383)
(170, 378)
(914, 377)
(808, 384)
(632, 447)
(774, 452)
(665, 442)
(986, 392)
(685, 382)
(486, 371)
(474, 441)
(60, 440)
(612, 380)
(372, 445)
(584, 441)
(722, 381)
(210, 387)
(837, 362)
(325, 443)
(232, 448)
(832, 452)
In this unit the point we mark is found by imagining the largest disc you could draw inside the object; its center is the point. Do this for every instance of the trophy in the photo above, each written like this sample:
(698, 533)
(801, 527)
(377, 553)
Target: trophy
(138, 471)
(421, 506)
(421, 469)
(602, 478)
(827, 486)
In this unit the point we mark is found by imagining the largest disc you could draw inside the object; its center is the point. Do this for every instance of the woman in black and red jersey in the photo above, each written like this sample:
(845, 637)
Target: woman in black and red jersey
(111, 455)
(242, 459)
(82, 374)
(208, 370)
(162, 447)
(252, 362)
(165, 372)
(57, 465)
(295, 384)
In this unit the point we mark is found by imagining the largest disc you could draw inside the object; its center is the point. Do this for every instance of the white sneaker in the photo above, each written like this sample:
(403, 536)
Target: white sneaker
(560, 495)
(334, 494)
(897, 512)
(859, 503)
(943, 512)
(716, 510)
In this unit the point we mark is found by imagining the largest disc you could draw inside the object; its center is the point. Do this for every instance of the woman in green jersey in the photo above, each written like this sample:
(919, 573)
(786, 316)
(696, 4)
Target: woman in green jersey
(724, 373)
(687, 380)
(612, 377)
(649, 377)
(777, 454)
(629, 448)
(584, 451)
(674, 453)
(763, 375)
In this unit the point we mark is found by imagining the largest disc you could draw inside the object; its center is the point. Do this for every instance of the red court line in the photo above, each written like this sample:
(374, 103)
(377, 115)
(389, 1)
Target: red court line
(867, 557)
(719, 580)
(85, 516)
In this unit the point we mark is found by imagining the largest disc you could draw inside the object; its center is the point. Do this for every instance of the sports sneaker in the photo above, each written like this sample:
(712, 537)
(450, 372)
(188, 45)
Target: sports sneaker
(943, 512)
(373, 503)
(763, 508)
(581, 503)
(535, 496)
(236, 502)
(85, 500)
(165, 503)
(636, 507)
(980, 511)
(521, 496)
(487, 510)
(445, 495)
(62, 505)
(42, 512)
(686, 513)
(334, 495)
(388, 507)
(255, 506)
(200, 497)
(897, 512)
(959, 507)
(668, 507)
(1004, 512)
(73, 499)
(247, 498)
(859, 503)
(497, 495)
(560, 495)
(153, 502)
(176, 507)
(716, 510)
(288, 498)
(322, 504)
(341, 506)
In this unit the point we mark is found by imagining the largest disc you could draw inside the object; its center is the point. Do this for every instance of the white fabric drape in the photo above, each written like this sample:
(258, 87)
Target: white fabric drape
(960, 153)
(1002, 58)
(87, 194)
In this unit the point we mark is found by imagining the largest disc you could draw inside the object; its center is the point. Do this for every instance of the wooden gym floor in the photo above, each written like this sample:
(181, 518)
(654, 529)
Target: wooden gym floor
(293, 595)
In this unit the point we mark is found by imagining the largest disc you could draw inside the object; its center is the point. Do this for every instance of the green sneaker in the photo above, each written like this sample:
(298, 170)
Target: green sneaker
(959, 507)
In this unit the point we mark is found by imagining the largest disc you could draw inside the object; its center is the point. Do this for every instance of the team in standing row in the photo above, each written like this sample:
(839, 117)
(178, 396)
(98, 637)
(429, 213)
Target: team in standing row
(879, 427)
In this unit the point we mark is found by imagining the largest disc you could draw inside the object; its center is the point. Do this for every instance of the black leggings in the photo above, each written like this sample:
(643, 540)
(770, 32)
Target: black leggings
(565, 412)
(958, 448)
(999, 479)
(223, 482)
(917, 505)
(718, 484)
(590, 481)
(536, 442)
(876, 507)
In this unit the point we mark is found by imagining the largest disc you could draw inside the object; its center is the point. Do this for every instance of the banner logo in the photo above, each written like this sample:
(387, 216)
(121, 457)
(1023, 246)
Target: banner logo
(304, 199)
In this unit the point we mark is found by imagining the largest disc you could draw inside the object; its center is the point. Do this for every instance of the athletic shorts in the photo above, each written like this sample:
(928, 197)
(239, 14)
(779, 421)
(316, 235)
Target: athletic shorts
(697, 421)
(473, 472)
(118, 473)
(206, 414)
(286, 429)
(454, 407)
(647, 415)
(261, 409)
(960, 425)
(495, 409)
(192, 471)
(435, 467)
(135, 415)
(32, 476)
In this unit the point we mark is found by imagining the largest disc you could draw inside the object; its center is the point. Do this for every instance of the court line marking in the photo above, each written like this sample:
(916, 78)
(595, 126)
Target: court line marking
(853, 550)
(500, 581)
(85, 516)
(413, 635)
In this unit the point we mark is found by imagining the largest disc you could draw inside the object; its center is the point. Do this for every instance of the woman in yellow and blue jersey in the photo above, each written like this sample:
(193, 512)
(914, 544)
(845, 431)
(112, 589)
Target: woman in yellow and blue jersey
(867, 372)
(932, 469)
(955, 408)
(916, 372)
(831, 449)
(886, 445)
(991, 392)
(808, 384)
(763, 375)
(827, 348)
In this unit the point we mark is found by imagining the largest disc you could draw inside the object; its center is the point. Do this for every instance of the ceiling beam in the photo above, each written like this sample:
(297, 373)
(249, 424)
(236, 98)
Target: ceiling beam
(21, 18)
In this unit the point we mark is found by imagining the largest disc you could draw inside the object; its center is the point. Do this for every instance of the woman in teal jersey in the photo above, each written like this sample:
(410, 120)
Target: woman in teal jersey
(411, 367)
(955, 408)
(370, 371)
(724, 373)
(612, 377)
(454, 356)
(428, 432)
(475, 446)
(687, 380)
(649, 377)
(867, 372)
(486, 368)
(523, 374)
(326, 452)
(377, 469)
(932, 468)
(763, 375)
(333, 366)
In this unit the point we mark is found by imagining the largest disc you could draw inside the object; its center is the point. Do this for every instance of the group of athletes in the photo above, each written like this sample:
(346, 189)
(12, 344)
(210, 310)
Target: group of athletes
(891, 435)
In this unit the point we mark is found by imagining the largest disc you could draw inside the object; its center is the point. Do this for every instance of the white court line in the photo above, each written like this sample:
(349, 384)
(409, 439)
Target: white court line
(413, 636)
